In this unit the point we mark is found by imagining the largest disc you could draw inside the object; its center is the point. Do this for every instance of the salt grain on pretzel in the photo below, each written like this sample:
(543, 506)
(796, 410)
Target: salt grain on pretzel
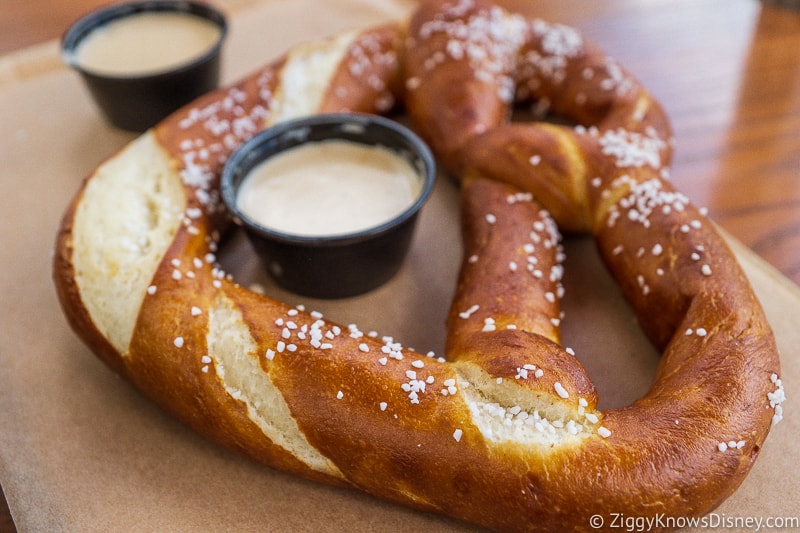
(505, 431)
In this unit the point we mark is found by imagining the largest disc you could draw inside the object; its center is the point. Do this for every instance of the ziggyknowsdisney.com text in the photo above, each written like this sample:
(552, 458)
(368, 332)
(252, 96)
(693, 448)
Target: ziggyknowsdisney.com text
(710, 521)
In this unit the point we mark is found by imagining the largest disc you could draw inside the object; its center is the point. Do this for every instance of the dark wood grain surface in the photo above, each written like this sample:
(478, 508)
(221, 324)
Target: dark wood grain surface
(727, 71)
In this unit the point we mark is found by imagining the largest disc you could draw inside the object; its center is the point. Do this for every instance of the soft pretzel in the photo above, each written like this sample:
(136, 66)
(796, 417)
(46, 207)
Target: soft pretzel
(503, 429)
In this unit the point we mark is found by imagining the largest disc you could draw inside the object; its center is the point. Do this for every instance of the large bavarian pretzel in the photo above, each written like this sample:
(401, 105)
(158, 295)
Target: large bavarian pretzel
(502, 431)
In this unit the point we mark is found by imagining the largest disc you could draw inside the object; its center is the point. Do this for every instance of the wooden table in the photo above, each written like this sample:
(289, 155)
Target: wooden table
(727, 71)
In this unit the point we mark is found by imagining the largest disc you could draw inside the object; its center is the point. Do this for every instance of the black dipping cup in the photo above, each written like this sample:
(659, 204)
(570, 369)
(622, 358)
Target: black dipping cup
(137, 102)
(335, 266)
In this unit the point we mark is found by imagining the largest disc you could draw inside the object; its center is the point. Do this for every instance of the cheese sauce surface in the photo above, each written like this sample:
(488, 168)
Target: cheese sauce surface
(329, 188)
(146, 43)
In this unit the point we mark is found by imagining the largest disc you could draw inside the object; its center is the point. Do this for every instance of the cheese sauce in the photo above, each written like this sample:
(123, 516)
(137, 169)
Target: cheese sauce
(146, 43)
(329, 188)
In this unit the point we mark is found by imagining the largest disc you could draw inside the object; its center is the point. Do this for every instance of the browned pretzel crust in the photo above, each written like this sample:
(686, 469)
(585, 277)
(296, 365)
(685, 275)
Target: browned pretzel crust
(503, 429)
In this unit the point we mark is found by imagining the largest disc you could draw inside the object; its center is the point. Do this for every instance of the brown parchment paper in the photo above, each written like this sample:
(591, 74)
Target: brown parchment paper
(80, 450)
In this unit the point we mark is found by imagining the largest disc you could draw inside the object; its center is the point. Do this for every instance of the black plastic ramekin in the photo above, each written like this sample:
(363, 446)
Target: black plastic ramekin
(335, 266)
(137, 102)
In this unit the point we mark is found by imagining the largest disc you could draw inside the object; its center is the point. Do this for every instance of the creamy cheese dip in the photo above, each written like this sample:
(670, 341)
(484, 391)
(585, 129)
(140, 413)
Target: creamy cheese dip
(329, 188)
(146, 43)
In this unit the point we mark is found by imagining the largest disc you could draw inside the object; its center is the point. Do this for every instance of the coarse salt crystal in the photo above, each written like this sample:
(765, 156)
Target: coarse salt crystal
(469, 312)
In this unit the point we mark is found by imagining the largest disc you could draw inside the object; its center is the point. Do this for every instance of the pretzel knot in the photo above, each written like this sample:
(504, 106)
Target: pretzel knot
(504, 429)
